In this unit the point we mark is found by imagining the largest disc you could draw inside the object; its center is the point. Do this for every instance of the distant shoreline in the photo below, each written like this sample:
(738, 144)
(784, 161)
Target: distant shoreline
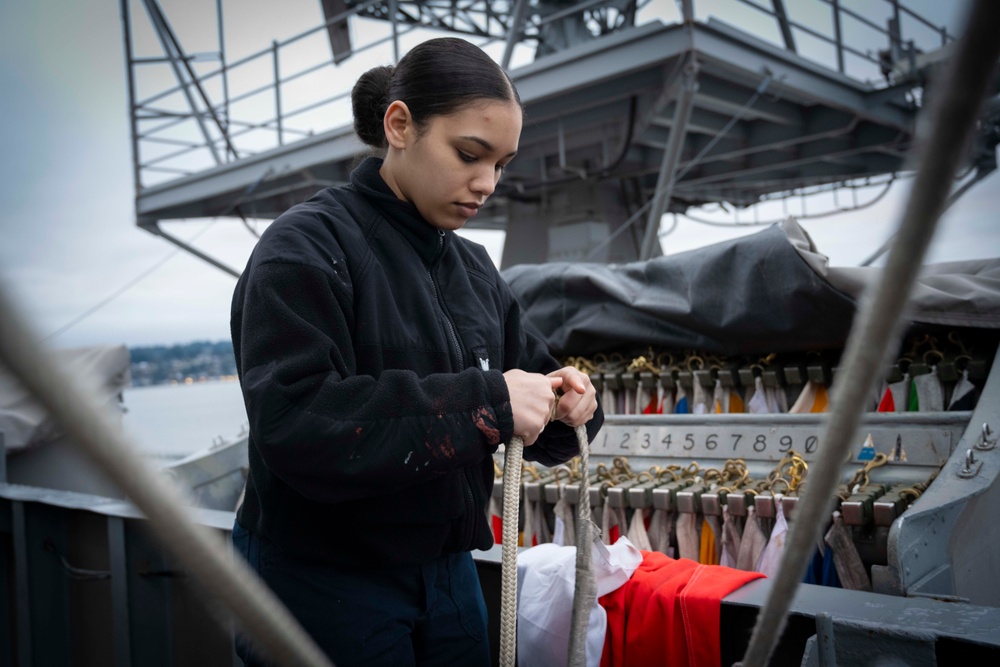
(188, 363)
(186, 381)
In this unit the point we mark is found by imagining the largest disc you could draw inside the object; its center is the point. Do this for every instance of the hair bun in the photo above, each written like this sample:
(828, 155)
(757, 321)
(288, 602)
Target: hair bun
(369, 100)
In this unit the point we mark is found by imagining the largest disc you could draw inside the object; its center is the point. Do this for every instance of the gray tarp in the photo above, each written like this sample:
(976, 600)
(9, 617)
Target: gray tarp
(25, 423)
(765, 292)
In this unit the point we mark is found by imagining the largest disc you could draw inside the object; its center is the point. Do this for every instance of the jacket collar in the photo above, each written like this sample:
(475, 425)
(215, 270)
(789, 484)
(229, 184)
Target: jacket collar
(404, 217)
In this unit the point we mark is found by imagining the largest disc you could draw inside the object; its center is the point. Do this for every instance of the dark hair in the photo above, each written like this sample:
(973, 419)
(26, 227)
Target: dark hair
(435, 78)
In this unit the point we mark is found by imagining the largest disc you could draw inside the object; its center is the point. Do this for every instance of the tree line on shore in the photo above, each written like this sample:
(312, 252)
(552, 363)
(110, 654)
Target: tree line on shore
(184, 362)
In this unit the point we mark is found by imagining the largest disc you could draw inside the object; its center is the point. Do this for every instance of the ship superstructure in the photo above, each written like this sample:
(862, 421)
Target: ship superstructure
(632, 109)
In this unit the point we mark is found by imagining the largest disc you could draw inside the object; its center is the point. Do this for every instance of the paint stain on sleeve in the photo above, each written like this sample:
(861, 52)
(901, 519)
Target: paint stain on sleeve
(440, 447)
(486, 423)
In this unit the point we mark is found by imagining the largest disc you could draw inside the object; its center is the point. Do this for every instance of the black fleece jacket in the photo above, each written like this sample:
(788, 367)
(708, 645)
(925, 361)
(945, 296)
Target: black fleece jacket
(371, 348)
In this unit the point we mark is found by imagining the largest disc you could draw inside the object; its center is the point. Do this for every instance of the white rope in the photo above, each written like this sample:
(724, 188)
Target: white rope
(585, 589)
(955, 103)
(199, 550)
(585, 586)
(508, 564)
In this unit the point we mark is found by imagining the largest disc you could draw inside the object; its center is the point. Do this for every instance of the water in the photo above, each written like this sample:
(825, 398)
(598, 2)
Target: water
(171, 421)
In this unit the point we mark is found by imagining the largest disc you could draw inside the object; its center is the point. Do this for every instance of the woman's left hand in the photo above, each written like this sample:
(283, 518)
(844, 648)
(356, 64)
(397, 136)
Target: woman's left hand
(578, 402)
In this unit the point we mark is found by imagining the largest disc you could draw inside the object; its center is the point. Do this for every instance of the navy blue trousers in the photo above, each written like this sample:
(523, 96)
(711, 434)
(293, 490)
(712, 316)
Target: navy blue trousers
(420, 614)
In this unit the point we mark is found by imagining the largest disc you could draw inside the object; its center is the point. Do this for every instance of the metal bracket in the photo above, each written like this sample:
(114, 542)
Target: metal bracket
(847, 642)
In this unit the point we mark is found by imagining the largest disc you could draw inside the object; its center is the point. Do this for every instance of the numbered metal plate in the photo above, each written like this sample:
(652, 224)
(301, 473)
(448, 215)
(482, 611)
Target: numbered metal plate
(770, 437)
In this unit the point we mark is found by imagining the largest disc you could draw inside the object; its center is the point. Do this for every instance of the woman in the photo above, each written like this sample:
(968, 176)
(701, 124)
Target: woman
(382, 361)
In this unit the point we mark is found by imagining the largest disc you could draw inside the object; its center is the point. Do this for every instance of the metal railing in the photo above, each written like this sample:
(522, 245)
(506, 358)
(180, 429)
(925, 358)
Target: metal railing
(203, 119)
(898, 47)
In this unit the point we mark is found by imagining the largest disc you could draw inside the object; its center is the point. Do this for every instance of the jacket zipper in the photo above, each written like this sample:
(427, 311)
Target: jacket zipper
(469, 522)
(439, 300)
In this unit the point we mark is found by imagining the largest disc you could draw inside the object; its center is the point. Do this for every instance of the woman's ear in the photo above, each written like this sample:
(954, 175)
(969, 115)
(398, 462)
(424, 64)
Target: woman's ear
(398, 124)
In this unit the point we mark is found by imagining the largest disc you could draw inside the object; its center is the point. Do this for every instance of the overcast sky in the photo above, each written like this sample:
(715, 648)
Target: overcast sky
(68, 239)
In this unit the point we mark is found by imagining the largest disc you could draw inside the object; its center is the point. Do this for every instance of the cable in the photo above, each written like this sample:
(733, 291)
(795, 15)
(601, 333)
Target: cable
(728, 126)
(877, 324)
(980, 175)
(626, 143)
(237, 204)
(611, 237)
(671, 229)
(129, 285)
(813, 216)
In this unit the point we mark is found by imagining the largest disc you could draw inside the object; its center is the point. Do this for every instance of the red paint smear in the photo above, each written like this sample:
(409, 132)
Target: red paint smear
(492, 434)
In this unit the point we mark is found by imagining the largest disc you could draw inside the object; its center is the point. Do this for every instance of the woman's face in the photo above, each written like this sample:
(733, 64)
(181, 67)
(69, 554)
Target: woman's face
(450, 166)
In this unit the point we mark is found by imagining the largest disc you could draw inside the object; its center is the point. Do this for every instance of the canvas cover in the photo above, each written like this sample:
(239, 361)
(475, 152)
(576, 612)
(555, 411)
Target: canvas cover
(760, 293)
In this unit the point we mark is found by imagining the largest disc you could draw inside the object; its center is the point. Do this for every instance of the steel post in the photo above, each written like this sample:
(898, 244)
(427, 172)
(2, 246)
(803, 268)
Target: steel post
(22, 594)
(277, 90)
(155, 228)
(671, 156)
(119, 593)
(513, 32)
(130, 80)
(783, 24)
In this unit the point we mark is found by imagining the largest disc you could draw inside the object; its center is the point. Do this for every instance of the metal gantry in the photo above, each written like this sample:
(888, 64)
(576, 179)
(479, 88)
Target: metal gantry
(614, 93)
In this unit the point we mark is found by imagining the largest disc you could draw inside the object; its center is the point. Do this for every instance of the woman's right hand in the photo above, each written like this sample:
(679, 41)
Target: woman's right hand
(532, 396)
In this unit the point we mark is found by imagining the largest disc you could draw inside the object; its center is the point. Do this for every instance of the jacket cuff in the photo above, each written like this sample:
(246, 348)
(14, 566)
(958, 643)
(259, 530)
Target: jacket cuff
(501, 404)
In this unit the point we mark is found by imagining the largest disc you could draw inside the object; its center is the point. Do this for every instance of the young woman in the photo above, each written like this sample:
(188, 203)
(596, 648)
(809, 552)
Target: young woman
(382, 361)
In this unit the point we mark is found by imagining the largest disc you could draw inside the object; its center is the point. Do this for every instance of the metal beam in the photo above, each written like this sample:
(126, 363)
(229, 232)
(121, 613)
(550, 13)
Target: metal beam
(820, 150)
(584, 78)
(541, 138)
(513, 32)
(702, 121)
(969, 623)
(724, 49)
(665, 184)
(728, 97)
(774, 179)
(154, 228)
(610, 57)
(170, 47)
(340, 145)
(783, 25)
(819, 124)
(338, 32)
(126, 18)
(838, 37)
(585, 95)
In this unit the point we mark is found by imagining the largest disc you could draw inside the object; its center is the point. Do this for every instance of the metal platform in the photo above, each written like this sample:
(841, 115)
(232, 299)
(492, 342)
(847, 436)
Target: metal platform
(697, 111)
(812, 126)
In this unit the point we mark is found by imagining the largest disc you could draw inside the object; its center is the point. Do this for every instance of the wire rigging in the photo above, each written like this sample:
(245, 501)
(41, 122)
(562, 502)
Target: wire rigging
(126, 287)
(980, 175)
(810, 216)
